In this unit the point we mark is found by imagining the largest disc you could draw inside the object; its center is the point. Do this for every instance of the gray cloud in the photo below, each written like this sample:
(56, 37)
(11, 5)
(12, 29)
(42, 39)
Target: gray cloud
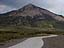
(55, 6)
(8, 5)
(14, 3)
(20, 3)
(5, 8)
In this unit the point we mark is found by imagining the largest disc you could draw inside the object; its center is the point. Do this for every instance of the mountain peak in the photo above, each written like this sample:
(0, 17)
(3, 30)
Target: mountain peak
(28, 7)
(31, 10)
(31, 5)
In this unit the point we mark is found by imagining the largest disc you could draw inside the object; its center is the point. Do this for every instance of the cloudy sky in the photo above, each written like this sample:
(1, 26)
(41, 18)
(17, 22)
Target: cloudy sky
(56, 6)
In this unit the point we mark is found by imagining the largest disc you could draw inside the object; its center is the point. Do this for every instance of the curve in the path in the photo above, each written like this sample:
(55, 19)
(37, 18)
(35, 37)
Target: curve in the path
(34, 42)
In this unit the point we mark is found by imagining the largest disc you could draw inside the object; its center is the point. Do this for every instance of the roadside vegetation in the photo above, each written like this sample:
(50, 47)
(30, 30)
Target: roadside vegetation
(9, 33)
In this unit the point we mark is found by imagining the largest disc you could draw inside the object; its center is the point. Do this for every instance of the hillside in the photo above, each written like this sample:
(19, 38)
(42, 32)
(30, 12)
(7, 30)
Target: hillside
(32, 16)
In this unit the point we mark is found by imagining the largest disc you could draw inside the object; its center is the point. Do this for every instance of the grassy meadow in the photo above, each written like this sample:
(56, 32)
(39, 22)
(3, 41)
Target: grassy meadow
(9, 33)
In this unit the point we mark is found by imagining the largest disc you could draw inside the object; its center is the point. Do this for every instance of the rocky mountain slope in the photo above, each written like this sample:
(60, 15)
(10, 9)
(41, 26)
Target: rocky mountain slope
(33, 16)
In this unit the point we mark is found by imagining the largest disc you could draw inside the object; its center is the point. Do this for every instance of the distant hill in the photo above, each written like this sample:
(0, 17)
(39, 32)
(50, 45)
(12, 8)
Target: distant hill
(32, 16)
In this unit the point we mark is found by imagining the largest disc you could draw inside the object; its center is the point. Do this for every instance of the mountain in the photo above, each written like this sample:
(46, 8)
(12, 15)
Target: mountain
(33, 16)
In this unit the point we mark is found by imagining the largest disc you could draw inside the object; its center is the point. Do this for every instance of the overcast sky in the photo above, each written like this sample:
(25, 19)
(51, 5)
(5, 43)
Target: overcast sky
(56, 6)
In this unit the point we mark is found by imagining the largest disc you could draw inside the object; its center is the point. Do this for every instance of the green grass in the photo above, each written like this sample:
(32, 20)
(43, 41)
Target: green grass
(8, 33)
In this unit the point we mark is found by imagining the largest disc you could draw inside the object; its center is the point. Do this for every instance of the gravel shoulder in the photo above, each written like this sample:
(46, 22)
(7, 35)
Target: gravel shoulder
(11, 43)
(54, 42)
